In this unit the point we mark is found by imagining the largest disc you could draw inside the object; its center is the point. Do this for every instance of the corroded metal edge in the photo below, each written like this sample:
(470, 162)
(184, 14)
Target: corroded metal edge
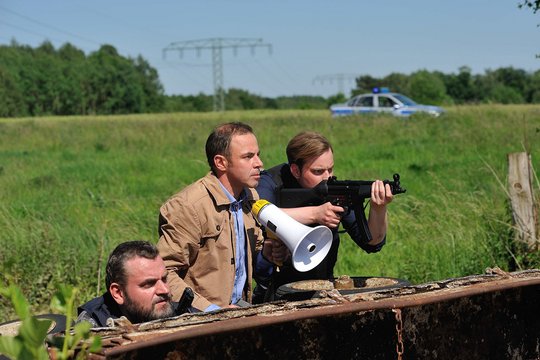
(230, 320)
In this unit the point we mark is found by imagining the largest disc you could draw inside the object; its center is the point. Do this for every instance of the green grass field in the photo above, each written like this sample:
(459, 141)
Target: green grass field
(72, 188)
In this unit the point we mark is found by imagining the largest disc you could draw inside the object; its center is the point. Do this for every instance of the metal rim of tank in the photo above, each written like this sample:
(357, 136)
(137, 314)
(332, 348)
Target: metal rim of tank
(308, 289)
(58, 324)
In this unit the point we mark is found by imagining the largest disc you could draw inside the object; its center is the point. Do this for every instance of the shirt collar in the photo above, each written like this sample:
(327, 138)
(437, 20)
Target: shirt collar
(234, 202)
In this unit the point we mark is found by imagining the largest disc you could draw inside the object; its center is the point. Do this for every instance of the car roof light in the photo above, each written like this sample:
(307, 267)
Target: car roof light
(377, 90)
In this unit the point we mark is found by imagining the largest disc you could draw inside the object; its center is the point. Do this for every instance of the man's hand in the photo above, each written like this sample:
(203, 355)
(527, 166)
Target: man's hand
(275, 251)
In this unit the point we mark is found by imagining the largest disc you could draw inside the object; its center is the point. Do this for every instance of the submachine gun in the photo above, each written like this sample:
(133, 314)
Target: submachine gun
(349, 194)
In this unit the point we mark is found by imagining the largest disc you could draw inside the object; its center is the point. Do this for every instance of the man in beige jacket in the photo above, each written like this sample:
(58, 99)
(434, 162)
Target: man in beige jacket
(208, 236)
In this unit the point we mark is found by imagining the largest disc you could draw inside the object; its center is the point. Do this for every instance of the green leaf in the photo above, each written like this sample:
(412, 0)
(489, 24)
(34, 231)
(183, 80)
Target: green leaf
(60, 301)
(10, 346)
(34, 331)
(33, 353)
(20, 304)
(95, 346)
(82, 328)
(56, 341)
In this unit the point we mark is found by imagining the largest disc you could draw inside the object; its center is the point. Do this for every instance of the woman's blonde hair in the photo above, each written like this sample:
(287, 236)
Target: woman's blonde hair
(306, 145)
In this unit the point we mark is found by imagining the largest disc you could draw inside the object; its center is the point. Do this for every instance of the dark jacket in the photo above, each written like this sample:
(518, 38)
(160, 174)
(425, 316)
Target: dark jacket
(279, 177)
(98, 310)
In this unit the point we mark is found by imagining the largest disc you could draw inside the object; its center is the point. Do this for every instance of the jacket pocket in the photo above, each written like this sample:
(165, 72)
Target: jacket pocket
(215, 233)
(215, 248)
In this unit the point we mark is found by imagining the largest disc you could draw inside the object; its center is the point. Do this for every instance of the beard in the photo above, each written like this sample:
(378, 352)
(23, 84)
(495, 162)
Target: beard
(137, 314)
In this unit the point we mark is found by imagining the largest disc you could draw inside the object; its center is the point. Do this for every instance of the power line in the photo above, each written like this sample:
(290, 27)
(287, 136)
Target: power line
(49, 26)
(186, 70)
(339, 78)
(23, 29)
(216, 45)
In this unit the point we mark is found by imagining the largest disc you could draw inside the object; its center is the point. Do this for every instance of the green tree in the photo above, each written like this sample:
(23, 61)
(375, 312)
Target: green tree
(484, 84)
(202, 102)
(502, 94)
(48, 77)
(461, 87)
(336, 99)
(532, 4)
(533, 88)
(366, 83)
(427, 88)
(45, 81)
(151, 86)
(30, 81)
(238, 99)
(113, 84)
(301, 102)
(70, 86)
(12, 100)
(397, 82)
(503, 86)
(513, 78)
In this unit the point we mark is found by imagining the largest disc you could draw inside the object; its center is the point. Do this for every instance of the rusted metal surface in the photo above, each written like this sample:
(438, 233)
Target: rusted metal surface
(307, 289)
(491, 316)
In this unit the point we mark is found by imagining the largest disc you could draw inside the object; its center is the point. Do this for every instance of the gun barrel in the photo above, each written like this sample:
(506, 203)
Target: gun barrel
(362, 188)
(333, 188)
(395, 185)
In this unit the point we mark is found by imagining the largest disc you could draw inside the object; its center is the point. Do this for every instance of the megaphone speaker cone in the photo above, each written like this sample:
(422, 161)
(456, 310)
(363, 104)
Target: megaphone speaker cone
(308, 246)
(311, 250)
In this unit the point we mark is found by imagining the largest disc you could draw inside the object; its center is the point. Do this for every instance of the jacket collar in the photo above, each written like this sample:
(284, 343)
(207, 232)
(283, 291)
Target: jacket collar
(211, 182)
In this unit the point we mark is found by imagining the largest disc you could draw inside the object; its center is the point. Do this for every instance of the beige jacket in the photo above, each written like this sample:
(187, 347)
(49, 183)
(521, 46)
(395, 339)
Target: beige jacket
(197, 242)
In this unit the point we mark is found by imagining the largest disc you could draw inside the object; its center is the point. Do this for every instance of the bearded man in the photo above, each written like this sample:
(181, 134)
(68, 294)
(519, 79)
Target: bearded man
(136, 288)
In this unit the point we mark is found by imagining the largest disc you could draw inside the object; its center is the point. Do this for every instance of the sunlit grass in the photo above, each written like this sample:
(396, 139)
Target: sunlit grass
(72, 188)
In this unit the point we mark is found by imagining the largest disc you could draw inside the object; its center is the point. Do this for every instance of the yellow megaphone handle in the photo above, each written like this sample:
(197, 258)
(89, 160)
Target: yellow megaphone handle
(258, 205)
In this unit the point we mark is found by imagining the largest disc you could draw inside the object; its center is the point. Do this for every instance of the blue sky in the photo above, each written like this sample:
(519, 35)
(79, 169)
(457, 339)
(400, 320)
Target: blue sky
(313, 42)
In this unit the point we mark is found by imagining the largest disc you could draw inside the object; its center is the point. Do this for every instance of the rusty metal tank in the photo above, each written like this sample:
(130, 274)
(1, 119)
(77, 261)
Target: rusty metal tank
(495, 315)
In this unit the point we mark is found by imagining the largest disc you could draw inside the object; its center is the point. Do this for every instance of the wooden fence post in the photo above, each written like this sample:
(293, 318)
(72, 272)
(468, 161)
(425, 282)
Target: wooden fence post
(524, 210)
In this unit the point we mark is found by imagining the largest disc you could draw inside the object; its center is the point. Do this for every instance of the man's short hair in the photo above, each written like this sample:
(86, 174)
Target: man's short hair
(219, 140)
(306, 145)
(116, 271)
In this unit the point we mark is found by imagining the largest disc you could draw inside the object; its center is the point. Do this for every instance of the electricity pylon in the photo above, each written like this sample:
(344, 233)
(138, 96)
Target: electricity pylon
(216, 45)
(340, 78)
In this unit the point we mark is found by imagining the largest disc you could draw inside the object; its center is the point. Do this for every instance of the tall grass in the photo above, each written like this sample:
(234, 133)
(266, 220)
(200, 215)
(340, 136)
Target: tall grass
(72, 188)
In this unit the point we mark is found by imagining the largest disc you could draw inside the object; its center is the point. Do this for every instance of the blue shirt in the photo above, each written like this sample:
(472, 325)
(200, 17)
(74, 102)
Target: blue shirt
(240, 275)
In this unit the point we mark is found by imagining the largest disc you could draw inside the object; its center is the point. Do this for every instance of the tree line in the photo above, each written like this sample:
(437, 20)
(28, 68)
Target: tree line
(505, 85)
(65, 81)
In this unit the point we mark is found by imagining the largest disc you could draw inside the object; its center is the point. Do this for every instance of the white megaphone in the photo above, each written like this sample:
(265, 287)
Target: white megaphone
(308, 245)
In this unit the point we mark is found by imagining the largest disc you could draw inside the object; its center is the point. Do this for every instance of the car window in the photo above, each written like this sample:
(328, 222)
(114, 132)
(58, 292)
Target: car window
(352, 101)
(385, 102)
(405, 100)
(365, 101)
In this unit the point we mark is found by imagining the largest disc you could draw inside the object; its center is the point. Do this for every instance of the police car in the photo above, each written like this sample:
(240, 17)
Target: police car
(383, 101)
